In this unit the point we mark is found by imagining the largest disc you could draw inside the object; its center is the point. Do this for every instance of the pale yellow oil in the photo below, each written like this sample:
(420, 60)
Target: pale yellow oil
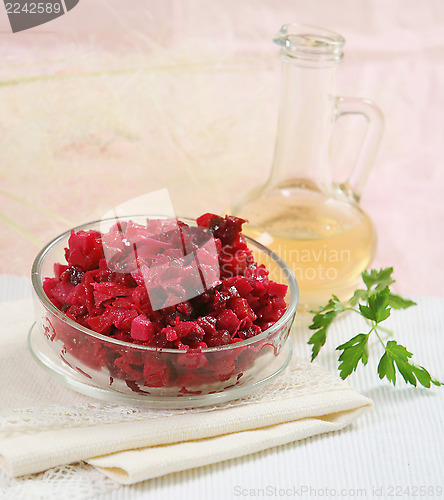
(327, 241)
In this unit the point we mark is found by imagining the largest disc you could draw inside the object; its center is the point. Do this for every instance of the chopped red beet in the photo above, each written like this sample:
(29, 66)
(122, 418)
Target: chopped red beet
(227, 320)
(165, 285)
(142, 328)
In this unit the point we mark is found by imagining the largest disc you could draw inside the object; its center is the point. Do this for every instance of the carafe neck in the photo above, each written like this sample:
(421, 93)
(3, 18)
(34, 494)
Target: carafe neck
(307, 109)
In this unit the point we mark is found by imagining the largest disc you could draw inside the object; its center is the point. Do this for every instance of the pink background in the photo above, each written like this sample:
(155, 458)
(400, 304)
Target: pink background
(195, 111)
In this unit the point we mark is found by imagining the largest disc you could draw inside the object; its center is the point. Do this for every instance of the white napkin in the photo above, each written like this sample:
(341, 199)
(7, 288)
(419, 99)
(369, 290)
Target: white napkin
(43, 424)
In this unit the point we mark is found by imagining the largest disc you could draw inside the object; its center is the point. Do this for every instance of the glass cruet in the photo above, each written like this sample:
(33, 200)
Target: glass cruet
(314, 223)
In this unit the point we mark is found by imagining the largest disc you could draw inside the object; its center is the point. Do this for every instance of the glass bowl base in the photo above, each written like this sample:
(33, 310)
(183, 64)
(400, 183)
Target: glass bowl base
(65, 374)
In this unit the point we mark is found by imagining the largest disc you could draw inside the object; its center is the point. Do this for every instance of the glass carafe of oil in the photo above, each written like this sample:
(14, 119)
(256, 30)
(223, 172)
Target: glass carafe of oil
(315, 224)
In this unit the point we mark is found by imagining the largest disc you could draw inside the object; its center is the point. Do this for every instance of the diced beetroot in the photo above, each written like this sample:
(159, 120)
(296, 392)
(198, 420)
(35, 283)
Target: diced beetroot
(59, 269)
(61, 291)
(241, 308)
(122, 318)
(105, 291)
(85, 249)
(170, 333)
(149, 248)
(77, 296)
(248, 331)
(278, 302)
(139, 297)
(265, 325)
(233, 265)
(142, 328)
(127, 368)
(183, 328)
(194, 338)
(222, 337)
(210, 276)
(76, 313)
(48, 286)
(277, 289)
(224, 366)
(124, 279)
(178, 343)
(185, 308)
(192, 360)
(227, 320)
(166, 285)
(124, 302)
(240, 283)
(225, 228)
(208, 324)
(205, 219)
(156, 372)
(101, 324)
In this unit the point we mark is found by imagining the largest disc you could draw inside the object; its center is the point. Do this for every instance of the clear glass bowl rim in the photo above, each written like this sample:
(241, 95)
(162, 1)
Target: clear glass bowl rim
(36, 280)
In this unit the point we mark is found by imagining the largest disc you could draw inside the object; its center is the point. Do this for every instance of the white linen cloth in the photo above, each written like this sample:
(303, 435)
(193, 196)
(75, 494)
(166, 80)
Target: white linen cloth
(44, 424)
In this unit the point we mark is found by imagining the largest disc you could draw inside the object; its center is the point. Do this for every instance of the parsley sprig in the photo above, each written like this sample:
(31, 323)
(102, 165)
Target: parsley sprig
(374, 303)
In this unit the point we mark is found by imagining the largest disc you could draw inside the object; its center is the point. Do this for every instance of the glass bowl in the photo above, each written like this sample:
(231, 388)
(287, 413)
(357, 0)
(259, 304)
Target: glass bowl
(92, 364)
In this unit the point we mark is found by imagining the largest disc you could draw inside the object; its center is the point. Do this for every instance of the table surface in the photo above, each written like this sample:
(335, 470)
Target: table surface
(396, 449)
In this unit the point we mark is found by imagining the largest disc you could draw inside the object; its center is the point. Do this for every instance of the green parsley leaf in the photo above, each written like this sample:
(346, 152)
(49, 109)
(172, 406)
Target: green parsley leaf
(379, 304)
(321, 322)
(381, 278)
(398, 302)
(374, 304)
(358, 296)
(386, 368)
(355, 350)
(377, 279)
(397, 354)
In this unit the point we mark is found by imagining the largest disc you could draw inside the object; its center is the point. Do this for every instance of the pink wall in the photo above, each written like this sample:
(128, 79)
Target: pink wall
(394, 55)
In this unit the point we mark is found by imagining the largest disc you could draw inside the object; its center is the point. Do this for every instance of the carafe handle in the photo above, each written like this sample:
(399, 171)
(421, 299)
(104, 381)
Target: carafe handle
(375, 127)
